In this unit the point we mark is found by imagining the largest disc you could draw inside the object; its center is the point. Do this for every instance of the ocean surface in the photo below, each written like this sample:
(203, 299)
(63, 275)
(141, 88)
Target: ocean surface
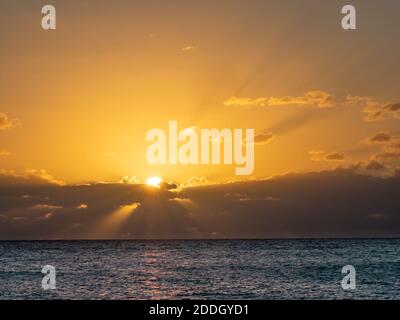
(201, 269)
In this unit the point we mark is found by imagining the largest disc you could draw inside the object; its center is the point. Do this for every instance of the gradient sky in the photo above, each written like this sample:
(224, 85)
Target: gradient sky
(76, 103)
(87, 93)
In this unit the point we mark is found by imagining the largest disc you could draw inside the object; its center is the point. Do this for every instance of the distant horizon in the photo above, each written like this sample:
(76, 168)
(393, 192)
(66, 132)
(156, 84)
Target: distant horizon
(209, 239)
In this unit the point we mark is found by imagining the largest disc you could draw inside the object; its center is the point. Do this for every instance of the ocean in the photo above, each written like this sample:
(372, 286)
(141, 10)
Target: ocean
(201, 269)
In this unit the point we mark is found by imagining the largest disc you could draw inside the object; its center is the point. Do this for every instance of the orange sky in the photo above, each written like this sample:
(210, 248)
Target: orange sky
(79, 100)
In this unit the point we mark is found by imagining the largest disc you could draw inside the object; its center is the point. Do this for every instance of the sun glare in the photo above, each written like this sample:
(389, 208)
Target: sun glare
(154, 182)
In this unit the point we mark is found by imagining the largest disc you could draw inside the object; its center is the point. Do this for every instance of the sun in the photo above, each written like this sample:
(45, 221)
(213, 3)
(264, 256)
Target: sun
(154, 182)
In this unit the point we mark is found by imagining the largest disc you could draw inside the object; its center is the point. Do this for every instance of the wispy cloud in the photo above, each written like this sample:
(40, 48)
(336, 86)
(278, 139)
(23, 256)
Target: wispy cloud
(316, 98)
(375, 110)
(7, 123)
(190, 48)
(320, 155)
(245, 102)
(261, 138)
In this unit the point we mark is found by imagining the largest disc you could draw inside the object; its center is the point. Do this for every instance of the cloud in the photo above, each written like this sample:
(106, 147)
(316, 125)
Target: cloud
(183, 201)
(375, 110)
(245, 102)
(384, 163)
(129, 180)
(29, 177)
(392, 107)
(45, 207)
(387, 160)
(382, 137)
(7, 123)
(358, 101)
(169, 185)
(195, 181)
(375, 165)
(189, 48)
(316, 98)
(319, 155)
(335, 156)
(337, 203)
(42, 175)
(330, 203)
(261, 138)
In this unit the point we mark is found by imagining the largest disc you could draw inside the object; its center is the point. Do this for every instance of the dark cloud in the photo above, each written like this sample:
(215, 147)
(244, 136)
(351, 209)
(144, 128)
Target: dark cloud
(168, 185)
(335, 156)
(262, 138)
(375, 110)
(375, 165)
(378, 111)
(326, 204)
(381, 137)
(393, 107)
(320, 155)
(85, 211)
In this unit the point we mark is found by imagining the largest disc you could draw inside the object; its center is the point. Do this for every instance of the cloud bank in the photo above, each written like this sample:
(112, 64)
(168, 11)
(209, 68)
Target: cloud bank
(338, 203)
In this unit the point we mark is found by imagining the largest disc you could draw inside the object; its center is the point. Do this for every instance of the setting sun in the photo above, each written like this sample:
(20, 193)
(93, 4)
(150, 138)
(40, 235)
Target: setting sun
(154, 182)
(144, 143)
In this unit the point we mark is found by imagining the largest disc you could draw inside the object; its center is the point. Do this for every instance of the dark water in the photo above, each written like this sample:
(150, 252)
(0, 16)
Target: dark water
(232, 269)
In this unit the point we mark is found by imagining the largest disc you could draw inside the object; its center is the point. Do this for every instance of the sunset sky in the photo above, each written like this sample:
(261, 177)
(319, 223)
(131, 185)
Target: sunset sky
(76, 103)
